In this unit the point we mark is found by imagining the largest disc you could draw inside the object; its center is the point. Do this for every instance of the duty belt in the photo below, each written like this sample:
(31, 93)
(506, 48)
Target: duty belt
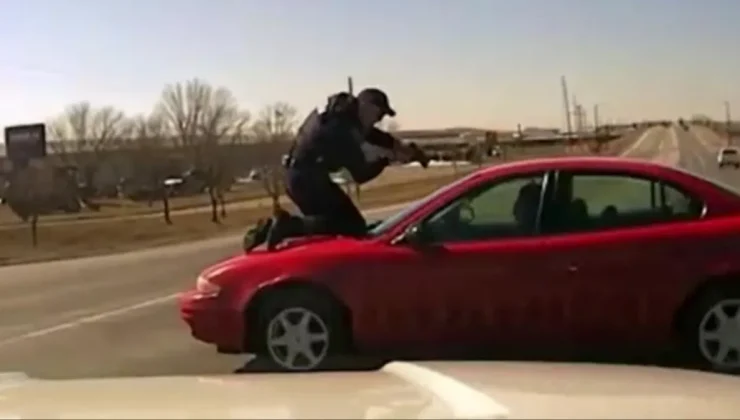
(317, 163)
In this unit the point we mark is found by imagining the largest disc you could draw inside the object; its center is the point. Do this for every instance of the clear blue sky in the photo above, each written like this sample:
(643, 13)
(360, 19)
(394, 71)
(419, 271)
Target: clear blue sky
(483, 63)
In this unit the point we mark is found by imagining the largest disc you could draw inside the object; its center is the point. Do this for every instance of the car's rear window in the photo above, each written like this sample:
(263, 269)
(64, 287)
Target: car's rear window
(729, 152)
(727, 188)
(721, 185)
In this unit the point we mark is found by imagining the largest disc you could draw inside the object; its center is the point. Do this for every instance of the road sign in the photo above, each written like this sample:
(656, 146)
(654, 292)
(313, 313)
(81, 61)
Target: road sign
(25, 142)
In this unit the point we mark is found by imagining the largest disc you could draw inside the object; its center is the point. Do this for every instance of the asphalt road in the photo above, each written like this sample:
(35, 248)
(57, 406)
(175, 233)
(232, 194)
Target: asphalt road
(115, 315)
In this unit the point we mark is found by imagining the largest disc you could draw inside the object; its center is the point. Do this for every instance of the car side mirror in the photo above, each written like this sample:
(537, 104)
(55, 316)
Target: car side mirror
(414, 236)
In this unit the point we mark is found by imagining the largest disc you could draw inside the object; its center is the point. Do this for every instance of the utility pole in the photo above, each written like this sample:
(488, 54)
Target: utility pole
(566, 105)
(596, 117)
(584, 118)
(575, 113)
(350, 85)
(578, 115)
(728, 122)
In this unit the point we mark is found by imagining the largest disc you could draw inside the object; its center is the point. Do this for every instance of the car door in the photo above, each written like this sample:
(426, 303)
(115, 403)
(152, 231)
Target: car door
(618, 247)
(474, 281)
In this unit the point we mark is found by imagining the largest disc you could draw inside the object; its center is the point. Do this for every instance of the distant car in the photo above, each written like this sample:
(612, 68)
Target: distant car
(683, 124)
(398, 390)
(729, 156)
(557, 253)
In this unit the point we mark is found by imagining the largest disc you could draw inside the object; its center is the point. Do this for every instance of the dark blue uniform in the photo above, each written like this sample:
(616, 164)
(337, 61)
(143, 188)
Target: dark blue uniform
(324, 145)
(327, 143)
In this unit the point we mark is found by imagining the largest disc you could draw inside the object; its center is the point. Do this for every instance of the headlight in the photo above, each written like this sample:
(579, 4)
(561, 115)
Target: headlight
(205, 288)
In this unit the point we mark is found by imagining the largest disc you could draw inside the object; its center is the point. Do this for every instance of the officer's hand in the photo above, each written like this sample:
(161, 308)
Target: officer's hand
(406, 153)
(403, 153)
(418, 155)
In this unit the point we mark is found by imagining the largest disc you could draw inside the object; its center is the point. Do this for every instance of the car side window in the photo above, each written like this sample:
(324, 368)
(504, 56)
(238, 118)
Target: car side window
(681, 204)
(501, 209)
(608, 201)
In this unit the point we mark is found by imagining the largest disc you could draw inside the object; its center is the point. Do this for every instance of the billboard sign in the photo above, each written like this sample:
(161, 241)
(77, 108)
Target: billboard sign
(25, 142)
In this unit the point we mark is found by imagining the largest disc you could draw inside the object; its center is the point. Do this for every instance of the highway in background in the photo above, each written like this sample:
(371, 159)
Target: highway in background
(116, 315)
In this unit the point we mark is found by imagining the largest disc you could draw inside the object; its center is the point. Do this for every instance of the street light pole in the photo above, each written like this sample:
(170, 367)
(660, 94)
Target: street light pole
(596, 118)
(566, 105)
(728, 122)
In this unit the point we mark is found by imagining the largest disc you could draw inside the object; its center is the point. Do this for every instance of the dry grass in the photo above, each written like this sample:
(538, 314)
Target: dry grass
(122, 207)
(62, 240)
(111, 208)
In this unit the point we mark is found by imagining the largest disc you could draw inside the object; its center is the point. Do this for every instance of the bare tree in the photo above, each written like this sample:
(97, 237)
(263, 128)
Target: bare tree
(152, 150)
(205, 122)
(275, 125)
(38, 189)
(276, 122)
(82, 136)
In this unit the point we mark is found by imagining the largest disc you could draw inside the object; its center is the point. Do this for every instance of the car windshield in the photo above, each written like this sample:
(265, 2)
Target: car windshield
(729, 152)
(389, 223)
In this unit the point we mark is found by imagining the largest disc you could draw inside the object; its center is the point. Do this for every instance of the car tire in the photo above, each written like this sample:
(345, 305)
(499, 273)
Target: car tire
(711, 332)
(318, 331)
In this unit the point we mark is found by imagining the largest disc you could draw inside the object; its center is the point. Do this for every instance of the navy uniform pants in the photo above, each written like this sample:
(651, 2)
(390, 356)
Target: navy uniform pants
(326, 208)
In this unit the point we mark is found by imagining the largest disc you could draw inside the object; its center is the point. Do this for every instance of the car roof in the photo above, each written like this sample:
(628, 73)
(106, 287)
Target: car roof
(606, 163)
(591, 162)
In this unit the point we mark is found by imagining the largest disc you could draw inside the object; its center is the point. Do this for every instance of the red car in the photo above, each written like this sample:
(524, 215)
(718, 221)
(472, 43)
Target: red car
(562, 253)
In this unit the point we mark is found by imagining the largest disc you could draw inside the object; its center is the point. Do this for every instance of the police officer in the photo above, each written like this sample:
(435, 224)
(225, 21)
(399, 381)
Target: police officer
(342, 137)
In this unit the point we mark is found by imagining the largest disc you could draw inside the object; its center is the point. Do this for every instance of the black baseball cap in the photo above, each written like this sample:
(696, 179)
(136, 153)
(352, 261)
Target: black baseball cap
(378, 98)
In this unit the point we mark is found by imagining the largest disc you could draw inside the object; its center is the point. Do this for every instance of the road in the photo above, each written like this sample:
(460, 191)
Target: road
(115, 315)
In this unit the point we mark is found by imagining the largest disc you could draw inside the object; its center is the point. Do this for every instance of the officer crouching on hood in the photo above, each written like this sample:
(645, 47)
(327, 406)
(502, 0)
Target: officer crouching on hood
(343, 136)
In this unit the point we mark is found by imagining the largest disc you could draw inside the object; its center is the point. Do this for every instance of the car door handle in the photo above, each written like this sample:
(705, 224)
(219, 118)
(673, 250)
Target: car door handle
(572, 268)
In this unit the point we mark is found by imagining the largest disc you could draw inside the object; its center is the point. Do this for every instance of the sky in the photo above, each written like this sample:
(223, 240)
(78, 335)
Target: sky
(482, 63)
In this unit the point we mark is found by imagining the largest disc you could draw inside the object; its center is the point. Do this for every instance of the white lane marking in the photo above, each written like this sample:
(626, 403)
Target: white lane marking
(464, 401)
(640, 140)
(101, 316)
(701, 164)
(710, 146)
(668, 153)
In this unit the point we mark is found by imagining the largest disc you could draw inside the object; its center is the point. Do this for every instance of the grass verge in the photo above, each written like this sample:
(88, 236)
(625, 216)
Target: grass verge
(241, 194)
(60, 241)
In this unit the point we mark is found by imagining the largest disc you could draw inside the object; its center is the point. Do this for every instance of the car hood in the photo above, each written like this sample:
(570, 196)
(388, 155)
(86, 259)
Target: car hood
(314, 243)
(311, 246)
(471, 390)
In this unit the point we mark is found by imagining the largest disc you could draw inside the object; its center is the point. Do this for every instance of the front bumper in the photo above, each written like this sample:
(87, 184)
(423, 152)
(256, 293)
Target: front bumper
(212, 321)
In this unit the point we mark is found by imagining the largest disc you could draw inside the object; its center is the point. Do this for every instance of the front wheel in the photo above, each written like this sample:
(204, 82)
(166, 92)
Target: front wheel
(714, 330)
(300, 330)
